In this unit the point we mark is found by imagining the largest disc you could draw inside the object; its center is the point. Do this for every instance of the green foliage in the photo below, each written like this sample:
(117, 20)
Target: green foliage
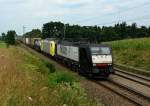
(2, 37)
(50, 67)
(35, 33)
(53, 29)
(137, 44)
(132, 52)
(74, 95)
(90, 33)
(68, 89)
(2, 44)
(62, 86)
(35, 63)
(60, 77)
(10, 37)
(95, 33)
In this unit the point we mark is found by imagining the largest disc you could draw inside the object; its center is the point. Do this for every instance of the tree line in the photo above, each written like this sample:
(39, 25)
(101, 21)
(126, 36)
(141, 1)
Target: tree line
(34, 33)
(76, 32)
(9, 37)
(93, 33)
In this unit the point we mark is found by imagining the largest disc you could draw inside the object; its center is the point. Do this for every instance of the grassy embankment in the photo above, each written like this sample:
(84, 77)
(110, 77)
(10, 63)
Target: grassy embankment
(132, 52)
(26, 80)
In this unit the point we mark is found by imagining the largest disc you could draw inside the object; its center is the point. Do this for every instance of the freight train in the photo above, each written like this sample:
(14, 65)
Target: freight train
(93, 60)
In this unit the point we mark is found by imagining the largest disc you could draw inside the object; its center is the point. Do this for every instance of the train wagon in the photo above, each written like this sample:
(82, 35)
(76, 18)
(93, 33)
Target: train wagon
(34, 41)
(31, 41)
(45, 45)
(27, 41)
(94, 60)
(36, 44)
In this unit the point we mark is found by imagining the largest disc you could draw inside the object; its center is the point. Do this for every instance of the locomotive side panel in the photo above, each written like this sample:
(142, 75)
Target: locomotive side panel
(69, 52)
(74, 53)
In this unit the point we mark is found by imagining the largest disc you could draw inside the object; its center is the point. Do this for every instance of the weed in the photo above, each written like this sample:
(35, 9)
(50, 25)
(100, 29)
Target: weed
(60, 77)
(50, 67)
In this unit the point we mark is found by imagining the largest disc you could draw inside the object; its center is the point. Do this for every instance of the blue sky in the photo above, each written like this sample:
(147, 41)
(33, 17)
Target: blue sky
(34, 13)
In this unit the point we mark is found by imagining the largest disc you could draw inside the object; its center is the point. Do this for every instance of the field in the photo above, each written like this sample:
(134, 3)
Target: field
(2, 44)
(26, 80)
(132, 52)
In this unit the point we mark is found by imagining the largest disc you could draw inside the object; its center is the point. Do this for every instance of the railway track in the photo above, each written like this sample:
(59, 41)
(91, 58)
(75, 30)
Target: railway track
(127, 92)
(133, 77)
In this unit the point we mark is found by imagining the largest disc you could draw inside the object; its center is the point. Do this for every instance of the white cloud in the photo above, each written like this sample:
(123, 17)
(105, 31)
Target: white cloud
(37, 12)
(109, 8)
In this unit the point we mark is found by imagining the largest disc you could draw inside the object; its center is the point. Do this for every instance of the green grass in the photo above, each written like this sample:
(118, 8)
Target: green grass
(132, 52)
(2, 44)
(26, 80)
(63, 87)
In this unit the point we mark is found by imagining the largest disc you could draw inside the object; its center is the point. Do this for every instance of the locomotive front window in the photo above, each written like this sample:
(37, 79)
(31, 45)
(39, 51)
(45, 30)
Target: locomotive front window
(100, 50)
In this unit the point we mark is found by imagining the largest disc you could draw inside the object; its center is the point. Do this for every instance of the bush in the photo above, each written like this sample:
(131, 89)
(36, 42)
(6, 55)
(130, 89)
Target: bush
(10, 38)
(72, 95)
(60, 77)
(50, 67)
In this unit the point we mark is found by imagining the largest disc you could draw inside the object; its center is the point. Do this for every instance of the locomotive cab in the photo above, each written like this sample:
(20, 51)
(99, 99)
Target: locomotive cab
(96, 60)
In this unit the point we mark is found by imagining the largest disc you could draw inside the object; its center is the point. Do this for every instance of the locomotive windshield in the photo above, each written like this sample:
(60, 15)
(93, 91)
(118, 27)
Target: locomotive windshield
(100, 50)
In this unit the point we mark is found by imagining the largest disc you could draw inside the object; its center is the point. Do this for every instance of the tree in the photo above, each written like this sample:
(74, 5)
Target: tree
(53, 29)
(149, 31)
(35, 33)
(94, 33)
(142, 32)
(132, 30)
(10, 37)
(3, 37)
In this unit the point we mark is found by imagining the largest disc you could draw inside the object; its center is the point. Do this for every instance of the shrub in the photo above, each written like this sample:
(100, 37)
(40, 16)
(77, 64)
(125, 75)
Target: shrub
(60, 77)
(50, 67)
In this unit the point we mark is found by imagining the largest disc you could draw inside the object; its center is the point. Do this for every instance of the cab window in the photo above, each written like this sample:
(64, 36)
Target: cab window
(100, 50)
